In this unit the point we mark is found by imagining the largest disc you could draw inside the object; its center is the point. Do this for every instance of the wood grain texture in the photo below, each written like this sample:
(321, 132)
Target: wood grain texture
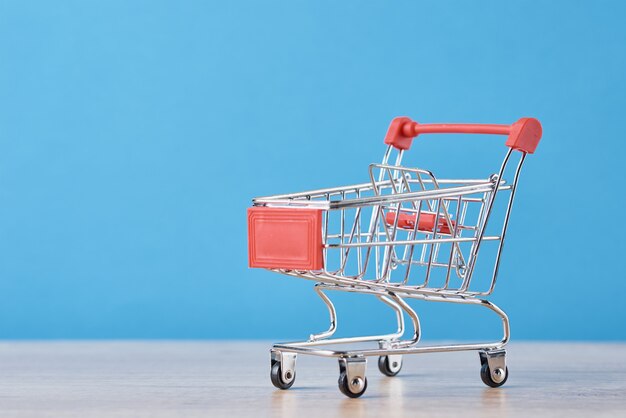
(231, 379)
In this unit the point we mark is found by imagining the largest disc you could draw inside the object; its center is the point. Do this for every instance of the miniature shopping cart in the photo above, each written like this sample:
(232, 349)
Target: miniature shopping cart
(404, 234)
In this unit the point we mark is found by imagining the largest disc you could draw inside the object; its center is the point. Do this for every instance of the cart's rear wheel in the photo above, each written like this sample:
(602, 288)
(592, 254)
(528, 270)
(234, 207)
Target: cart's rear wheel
(352, 389)
(276, 375)
(485, 375)
(390, 365)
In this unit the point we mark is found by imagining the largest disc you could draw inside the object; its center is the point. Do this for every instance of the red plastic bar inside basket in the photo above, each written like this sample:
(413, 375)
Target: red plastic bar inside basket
(285, 238)
(426, 222)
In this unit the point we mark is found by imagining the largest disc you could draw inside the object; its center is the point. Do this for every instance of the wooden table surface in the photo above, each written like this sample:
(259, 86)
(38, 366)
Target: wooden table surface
(231, 379)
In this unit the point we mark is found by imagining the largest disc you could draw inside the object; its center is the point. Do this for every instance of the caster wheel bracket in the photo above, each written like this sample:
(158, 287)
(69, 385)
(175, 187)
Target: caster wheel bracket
(395, 362)
(496, 362)
(354, 369)
(287, 364)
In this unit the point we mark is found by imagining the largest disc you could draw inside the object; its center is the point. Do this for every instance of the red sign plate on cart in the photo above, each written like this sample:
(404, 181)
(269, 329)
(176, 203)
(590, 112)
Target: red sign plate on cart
(285, 238)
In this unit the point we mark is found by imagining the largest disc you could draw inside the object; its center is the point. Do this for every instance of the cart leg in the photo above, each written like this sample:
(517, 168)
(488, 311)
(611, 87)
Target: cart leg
(399, 319)
(417, 333)
(352, 381)
(331, 311)
(493, 371)
(283, 369)
(316, 338)
(390, 364)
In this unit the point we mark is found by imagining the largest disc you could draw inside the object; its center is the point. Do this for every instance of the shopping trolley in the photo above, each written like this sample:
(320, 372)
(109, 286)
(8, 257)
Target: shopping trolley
(404, 234)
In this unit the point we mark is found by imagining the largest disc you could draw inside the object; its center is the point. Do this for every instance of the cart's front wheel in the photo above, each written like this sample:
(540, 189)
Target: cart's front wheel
(276, 374)
(496, 379)
(390, 365)
(352, 389)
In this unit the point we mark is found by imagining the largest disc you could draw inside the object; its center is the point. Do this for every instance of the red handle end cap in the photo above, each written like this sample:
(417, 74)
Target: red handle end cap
(399, 134)
(525, 135)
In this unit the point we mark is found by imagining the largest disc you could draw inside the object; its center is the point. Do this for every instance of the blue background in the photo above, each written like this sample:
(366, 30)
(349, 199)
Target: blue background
(133, 135)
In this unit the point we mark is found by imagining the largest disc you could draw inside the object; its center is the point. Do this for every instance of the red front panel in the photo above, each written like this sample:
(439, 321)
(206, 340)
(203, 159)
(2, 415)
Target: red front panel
(285, 238)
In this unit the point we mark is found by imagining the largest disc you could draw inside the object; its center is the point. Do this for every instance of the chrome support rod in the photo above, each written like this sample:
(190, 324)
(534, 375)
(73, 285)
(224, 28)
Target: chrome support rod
(331, 311)
(307, 348)
(322, 337)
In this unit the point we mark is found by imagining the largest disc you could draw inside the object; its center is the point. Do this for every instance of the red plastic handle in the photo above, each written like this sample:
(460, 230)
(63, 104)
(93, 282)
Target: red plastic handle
(523, 135)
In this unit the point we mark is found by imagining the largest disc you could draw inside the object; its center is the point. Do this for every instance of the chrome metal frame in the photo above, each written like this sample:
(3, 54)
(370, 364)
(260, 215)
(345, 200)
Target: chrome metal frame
(365, 252)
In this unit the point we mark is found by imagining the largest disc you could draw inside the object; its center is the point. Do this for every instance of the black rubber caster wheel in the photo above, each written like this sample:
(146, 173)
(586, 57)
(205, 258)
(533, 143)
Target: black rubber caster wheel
(389, 368)
(485, 375)
(276, 375)
(351, 391)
